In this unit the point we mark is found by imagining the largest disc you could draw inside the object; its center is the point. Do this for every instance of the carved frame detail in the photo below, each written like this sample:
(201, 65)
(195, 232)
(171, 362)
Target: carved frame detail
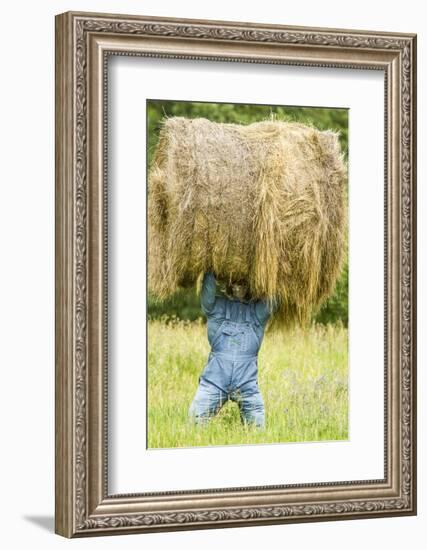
(83, 43)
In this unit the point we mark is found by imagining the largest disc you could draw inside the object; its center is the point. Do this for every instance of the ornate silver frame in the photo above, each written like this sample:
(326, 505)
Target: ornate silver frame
(83, 43)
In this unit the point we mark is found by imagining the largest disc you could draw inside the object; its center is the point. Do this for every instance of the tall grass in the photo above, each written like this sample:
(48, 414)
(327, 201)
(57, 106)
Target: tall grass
(303, 378)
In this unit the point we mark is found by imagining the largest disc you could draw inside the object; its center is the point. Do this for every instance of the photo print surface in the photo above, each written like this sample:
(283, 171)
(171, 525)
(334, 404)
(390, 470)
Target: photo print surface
(247, 271)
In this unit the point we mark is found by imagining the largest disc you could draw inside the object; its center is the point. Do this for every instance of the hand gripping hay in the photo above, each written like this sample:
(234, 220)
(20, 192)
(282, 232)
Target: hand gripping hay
(263, 202)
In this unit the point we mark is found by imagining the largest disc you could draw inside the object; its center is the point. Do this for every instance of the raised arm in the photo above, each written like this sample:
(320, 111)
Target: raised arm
(264, 311)
(207, 297)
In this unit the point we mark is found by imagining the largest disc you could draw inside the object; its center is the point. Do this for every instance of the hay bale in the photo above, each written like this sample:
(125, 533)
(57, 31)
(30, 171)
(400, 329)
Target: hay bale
(263, 202)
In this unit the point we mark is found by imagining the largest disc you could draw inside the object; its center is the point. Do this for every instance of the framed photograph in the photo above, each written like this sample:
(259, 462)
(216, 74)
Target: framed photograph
(235, 274)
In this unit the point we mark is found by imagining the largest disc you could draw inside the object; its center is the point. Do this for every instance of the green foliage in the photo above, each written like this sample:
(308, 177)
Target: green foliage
(336, 307)
(185, 304)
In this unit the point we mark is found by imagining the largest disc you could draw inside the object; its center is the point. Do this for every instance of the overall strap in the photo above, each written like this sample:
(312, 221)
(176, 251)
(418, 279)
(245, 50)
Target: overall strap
(248, 312)
(254, 316)
(227, 310)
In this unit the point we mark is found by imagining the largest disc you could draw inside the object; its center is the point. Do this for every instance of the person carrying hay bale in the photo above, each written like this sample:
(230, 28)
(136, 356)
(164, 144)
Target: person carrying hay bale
(235, 332)
(263, 203)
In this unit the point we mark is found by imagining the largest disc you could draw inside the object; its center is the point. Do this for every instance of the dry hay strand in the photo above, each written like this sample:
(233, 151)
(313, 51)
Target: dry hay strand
(264, 203)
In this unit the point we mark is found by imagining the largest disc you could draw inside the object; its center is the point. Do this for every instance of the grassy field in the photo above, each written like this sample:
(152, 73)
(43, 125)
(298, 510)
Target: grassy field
(302, 378)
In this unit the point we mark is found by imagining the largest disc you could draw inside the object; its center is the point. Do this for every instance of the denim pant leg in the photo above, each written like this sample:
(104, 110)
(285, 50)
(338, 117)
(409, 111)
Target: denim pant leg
(251, 405)
(206, 403)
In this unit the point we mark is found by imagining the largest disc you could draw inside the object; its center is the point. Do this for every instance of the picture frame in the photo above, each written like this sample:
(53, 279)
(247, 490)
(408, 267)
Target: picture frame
(83, 44)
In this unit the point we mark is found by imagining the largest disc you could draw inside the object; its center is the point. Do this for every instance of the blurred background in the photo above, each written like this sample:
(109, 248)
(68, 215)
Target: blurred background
(186, 304)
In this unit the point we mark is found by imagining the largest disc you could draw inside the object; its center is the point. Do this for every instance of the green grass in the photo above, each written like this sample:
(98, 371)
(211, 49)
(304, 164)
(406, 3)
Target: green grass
(302, 378)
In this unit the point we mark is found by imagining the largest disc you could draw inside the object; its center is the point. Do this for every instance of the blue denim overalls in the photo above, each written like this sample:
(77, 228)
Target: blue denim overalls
(235, 333)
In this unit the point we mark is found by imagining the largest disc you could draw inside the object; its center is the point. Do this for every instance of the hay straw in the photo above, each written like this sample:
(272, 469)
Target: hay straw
(263, 202)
